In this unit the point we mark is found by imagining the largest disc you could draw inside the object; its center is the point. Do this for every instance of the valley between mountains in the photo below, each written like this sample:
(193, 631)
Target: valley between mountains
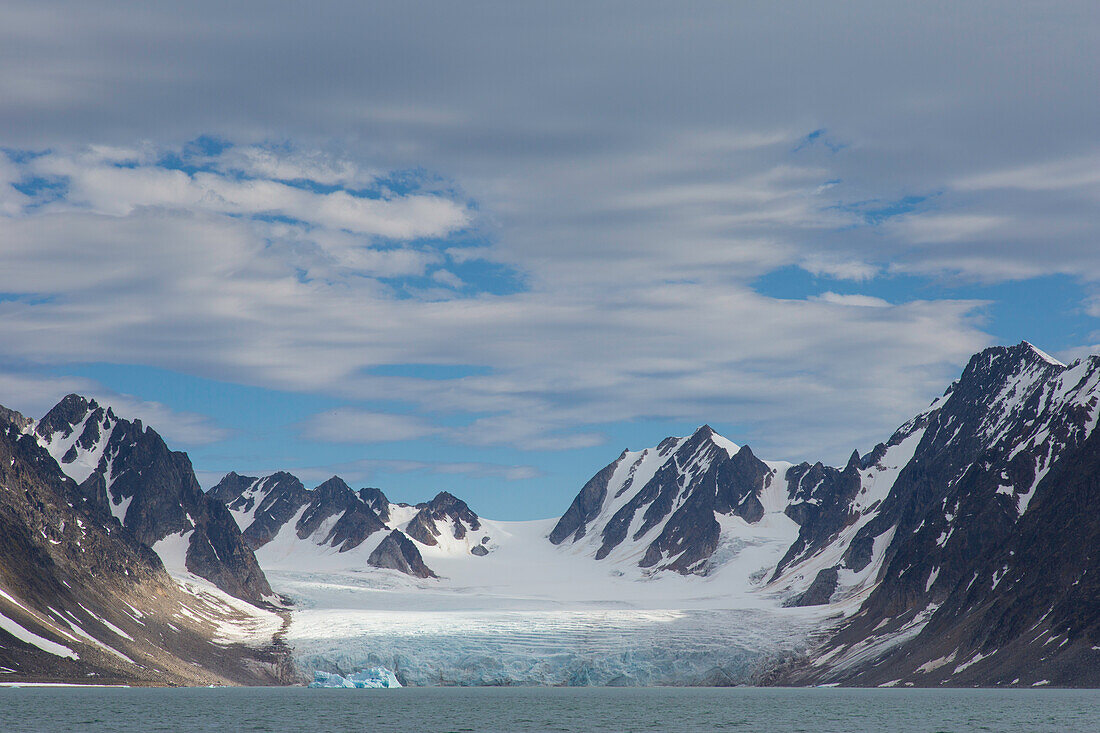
(960, 551)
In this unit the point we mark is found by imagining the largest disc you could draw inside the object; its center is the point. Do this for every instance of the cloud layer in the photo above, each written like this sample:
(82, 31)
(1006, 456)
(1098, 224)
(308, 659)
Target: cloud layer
(574, 200)
(149, 266)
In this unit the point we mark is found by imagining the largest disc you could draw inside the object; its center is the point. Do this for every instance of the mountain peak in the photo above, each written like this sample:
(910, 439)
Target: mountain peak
(17, 419)
(998, 365)
(63, 416)
(333, 484)
(1040, 353)
(443, 500)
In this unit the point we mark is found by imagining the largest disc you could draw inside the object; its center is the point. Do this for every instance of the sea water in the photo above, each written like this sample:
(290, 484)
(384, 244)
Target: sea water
(593, 710)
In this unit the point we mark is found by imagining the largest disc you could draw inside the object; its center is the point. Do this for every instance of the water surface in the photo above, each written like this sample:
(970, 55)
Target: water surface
(593, 710)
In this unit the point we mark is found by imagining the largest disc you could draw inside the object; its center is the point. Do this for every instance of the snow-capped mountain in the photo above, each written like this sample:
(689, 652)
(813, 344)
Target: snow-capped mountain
(668, 500)
(689, 504)
(285, 522)
(959, 548)
(990, 574)
(83, 600)
(126, 472)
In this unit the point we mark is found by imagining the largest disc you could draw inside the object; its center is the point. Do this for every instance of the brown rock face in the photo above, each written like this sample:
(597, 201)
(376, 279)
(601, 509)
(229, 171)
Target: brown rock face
(66, 563)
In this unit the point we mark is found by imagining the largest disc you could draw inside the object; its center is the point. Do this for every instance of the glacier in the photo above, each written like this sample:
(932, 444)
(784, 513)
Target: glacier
(530, 613)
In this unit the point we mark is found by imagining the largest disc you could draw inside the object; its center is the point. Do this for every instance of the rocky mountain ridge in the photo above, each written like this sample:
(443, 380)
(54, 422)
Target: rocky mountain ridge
(333, 517)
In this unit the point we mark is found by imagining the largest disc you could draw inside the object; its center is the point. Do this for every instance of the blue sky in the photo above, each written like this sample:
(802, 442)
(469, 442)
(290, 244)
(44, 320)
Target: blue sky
(485, 248)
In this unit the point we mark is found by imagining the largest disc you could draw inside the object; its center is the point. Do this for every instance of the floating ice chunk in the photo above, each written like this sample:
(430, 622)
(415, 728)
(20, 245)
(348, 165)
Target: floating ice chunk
(374, 677)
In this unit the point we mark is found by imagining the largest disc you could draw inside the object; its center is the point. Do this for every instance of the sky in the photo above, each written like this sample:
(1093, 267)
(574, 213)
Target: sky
(484, 247)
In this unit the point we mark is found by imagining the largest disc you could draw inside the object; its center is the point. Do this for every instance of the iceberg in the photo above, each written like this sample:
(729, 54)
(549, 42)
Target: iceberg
(374, 677)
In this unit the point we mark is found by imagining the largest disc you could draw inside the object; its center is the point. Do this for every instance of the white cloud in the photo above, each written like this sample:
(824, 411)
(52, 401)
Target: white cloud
(12, 201)
(636, 215)
(648, 316)
(1070, 355)
(295, 165)
(1076, 172)
(946, 228)
(350, 425)
(97, 184)
(33, 394)
(839, 269)
(176, 427)
(860, 301)
(447, 278)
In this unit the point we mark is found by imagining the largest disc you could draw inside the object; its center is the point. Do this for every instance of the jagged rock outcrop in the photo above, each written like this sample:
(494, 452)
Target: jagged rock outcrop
(355, 525)
(330, 515)
(444, 513)
(397, 552)
(230, 488)
(126, 471)
(821, 502)
(377, 501)
(820, 591)
(329, 499)
(274, 502)
(988, 569)
(586, 507)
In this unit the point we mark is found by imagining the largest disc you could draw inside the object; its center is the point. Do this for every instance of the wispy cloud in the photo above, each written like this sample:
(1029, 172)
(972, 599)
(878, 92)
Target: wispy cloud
(859, 301)
(607, 332)
(116, 183)
(938, 228)
(1070, 173)
(176, 427)
(350, 425)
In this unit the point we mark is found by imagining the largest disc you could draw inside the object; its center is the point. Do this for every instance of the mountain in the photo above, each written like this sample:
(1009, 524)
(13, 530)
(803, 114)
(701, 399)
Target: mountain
(283, 520)
(690, 504)
(958, 552)
(125, 471)
(961, 550)
(84, 600)
(990, 574)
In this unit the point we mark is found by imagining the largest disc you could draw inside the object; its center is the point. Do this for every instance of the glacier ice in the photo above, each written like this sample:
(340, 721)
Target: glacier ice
(574, 648)
(374, 677)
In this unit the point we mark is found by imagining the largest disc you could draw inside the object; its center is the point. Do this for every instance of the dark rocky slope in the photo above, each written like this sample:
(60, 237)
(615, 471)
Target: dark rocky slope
(397, 552)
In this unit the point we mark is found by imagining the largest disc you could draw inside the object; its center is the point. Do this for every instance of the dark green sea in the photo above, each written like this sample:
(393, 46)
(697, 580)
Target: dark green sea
(592, 710)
